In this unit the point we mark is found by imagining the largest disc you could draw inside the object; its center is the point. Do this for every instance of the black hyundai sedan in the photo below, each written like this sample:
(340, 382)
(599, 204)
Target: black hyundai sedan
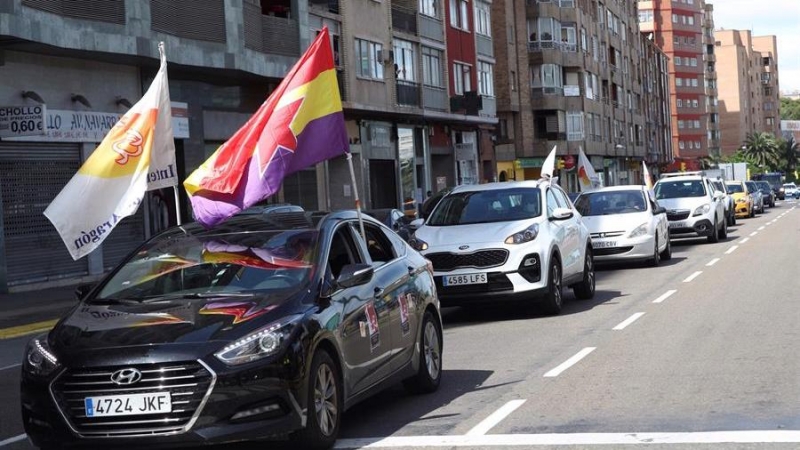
(267, 326)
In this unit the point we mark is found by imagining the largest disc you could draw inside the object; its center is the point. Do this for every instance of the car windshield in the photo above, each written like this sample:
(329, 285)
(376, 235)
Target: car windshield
(790, 186)
(734, 188)
(679, 189)
(751, 185)
(257, 263)
(612, 202)
(764, 185)
(499, 205)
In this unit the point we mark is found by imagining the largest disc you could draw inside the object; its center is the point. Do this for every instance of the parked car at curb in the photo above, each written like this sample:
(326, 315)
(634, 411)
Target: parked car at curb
(394, 219)
(626, 224)
(758, 196)
(693, 205)
(263, 326)
(730, 207)
(767, 193)
(508, 240)
(742, 198)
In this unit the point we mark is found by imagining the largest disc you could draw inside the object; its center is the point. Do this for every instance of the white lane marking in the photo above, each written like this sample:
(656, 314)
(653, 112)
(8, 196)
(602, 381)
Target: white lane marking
(582, 439)
(570, 362)
(9, 367)
(744, 240)
(731, 250)
(712, 262)
(761, 227)
(754, 233)
(495, 418)
(692, 276)
(628, 321)
(12, 440)
(664, 296)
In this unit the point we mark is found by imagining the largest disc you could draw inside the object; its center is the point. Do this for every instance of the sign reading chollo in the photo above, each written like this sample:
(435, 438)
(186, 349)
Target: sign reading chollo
(18, 121)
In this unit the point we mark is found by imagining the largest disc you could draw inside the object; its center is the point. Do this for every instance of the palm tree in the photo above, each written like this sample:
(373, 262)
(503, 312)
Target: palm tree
(761, 148)
(787, 152)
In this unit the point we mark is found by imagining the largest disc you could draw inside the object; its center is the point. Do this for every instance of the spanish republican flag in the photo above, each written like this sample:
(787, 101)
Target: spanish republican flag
(111, 183)
(299, 125)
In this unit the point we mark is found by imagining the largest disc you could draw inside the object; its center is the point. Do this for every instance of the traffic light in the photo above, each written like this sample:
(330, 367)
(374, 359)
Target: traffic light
(683, 167)
(559, 163)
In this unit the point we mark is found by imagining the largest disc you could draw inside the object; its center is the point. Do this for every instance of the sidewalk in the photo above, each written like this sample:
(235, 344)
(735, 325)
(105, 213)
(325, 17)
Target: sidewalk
(22, 308)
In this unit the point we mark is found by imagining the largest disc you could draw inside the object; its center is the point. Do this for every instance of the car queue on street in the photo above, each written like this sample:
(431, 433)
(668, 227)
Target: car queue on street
(276, 322)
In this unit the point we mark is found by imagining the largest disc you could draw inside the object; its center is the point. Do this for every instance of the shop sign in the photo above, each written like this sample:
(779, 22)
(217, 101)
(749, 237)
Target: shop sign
(528, 163)
(16, 121)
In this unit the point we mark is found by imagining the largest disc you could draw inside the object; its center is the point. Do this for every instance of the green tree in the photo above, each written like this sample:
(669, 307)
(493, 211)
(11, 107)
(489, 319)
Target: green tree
(787, 157)
(790, 109)
(762, 149)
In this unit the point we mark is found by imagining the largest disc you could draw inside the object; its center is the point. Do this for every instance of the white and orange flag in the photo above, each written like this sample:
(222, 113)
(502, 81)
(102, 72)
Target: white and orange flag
(137, 155)
(587, 177)
(648, 180)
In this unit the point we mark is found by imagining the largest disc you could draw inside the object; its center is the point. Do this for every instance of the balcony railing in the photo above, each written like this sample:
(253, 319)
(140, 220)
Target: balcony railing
(269, 34)
(408, 93)
(489, 107)
(330, 5)
(404, 20)
(431, 28)
(538, 46)
(434, 98)
(484, 45)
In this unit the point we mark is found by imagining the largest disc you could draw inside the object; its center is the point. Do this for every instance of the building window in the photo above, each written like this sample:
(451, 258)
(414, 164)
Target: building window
(432, 67)
(574, 126)
(681, 145)
(678, 61)
(369, 64)
(770, 121)
(674, 18)
(459, 14)
(646, 15)
(483, 18)
(696, 124)
(680, 124)
(429, 7)
(485, 79)
(461, 78)
(584, 41)
(547, 75)
(404, 60)
(680, 103)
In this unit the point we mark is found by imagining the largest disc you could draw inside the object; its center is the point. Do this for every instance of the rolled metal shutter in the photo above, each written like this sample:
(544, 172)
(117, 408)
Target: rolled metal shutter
(31, 175)
(126, 236)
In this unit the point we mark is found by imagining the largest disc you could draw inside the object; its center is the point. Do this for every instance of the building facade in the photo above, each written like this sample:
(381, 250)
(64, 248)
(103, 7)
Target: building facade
(573, 74)
(712, 88)
(677, 28)
(748, 86)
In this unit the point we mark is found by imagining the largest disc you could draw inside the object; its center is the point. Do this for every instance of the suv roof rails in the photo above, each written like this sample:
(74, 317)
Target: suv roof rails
(683, 174)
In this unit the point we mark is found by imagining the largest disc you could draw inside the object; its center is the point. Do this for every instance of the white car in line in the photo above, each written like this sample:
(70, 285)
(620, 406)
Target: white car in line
(694, 206)
(509, 240)
(626, 223)
(790, 190)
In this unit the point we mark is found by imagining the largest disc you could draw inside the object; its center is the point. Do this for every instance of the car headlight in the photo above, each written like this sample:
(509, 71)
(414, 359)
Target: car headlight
(641, 230)
(418, 244)
(39, 359)
(704, 209)
(781, 190)
(258, 344)
(526, 235)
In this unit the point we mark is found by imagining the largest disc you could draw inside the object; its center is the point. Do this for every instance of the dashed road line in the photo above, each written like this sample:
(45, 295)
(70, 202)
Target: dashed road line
(744, 240)
(570, 362)
(692, 276)
(628, 321)
(754, 233)
(9, 367)
(494, 418)
(712, 262)
(761, 227)
(731, 250)
(664, 296)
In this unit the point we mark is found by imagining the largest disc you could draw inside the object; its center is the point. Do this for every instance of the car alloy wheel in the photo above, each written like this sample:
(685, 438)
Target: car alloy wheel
(714, 236)
(586, 288)
(324, 404)
(656, 259)
(325, 400)
(429, 374)
(667, 253)
(553, 298)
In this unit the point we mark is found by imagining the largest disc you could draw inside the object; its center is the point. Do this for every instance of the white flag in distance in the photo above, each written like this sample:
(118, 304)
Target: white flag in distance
(648, 180)
(137, 154)
(549, 165)
(587, 177)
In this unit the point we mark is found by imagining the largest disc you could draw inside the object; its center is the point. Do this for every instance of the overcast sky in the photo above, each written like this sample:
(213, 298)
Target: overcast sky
(764, 17)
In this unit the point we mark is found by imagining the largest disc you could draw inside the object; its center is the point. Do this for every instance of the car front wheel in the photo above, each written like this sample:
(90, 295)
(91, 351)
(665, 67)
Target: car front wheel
(324, 404)
(666, 255)
(429, 374)
(553, 298)
(585, 289)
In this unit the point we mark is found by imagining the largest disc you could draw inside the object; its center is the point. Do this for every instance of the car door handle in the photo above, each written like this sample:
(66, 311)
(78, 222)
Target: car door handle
(411, 270)
(378, 291)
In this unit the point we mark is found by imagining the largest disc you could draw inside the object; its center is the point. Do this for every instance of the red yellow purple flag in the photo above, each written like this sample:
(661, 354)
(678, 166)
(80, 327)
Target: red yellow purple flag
(299, 125)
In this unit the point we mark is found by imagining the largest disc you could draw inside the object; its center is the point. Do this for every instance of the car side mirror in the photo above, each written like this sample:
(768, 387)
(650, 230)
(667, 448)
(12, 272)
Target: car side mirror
(660, 210)
(83, 290)
(416, 224)
(719, 195)
(355, 275)
(562, 214)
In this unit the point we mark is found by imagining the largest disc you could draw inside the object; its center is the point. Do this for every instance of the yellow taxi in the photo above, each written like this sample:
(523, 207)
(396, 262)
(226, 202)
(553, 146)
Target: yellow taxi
(742, 199)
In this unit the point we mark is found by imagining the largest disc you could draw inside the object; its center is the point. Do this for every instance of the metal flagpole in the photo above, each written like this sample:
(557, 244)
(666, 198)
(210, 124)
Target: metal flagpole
(177, 205)
(355, 193)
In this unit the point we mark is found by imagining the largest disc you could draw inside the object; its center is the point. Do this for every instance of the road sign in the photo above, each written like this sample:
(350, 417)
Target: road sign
(18, 121)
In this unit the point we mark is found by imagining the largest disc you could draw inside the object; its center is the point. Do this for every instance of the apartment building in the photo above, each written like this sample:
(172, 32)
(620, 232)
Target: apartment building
(573, 74)
(677, 27)
(413, 125)
(748, 86)
(710, 64)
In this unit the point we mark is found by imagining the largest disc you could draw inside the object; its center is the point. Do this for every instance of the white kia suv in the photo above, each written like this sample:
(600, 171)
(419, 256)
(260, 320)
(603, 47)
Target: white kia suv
(496, 241)
(693, 205)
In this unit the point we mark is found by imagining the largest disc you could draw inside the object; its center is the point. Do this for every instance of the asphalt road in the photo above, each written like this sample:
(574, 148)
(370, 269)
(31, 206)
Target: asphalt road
(698, 353)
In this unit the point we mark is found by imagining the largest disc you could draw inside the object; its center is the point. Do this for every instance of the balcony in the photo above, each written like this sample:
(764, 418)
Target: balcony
(470, 103)
(430, 27)
(434, 98)
(484, 45)
(331, 6)
(110, 11)
(340, 78)
(489, 108)
(404, 19)
(408, 93)
(270, 34)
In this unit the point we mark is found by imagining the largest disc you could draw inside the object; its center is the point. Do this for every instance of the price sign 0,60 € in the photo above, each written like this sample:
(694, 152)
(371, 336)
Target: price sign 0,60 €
(22, 120)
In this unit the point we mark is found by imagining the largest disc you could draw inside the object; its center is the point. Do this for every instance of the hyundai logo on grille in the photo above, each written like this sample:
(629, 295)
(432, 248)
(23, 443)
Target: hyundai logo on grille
(463, 247)
(126, 376)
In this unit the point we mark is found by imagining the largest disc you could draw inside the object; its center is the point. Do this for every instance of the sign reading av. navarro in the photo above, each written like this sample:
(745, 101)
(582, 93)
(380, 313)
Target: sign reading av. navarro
(22, 121)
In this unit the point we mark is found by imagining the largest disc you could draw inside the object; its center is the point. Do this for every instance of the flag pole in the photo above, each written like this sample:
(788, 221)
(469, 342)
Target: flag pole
(177, 204)
(355, 193)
